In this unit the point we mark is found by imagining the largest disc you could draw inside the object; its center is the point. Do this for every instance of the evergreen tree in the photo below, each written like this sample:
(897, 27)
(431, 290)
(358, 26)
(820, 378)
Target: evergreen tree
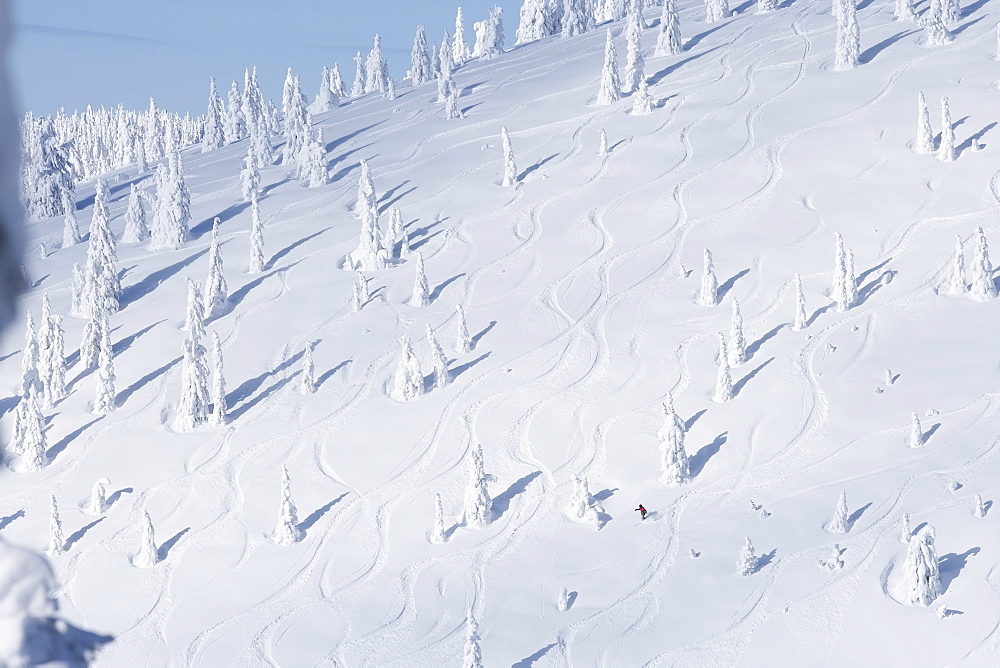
(361, 294)
(674, 465)
(325, 99)
(724, 383)
(904, 11)
(643, 104)
(409, 381)
(801, 321)
(358, 89)
(848, 36)
(420, 63)
(445, 66)
(610, 90)
(737, 343)
(921, 576)
(451, 110)
(48, 178)
(905, 533)
(287, 531)
(30, 358)
(148, 556)
(192, 408)
(216, 288)
(577, 17)
(105, 401)
(215, 135)
(668, 41)
(916, 432)
(308, 384)
(55, 364)
(91, 340)
(438, 536)
(634, 62)
(492, 41)
(256, 239)
(234, 126)
(850, 282)
(950, 10)
(250, 176)
(716, 10)
(980, 509)
(98, 504)
(478, 504)
(582, 506)
(376, 70)
(841, 520)
(71, 229)
(219, 408)
(535, 22)
(709, 283)
(766, 6)
(31, 441)
(472, 655)
(316, 173)
(136, 230)
(438, 360)
(463, 342)
(925, 135)
(459, 49)
(935, 30)
(959, 283)
(946, 151)
(101, 286)
(172, 214)
(337, 83)
(295, 129)
(562, 604)
(747, 562)
(603, 149)
(509, 167)
(421, 291)
(983, 287)
(76, 290)
(57, 541)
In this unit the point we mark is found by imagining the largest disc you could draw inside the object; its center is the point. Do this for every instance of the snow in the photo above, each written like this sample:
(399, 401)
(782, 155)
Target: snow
(580, 285)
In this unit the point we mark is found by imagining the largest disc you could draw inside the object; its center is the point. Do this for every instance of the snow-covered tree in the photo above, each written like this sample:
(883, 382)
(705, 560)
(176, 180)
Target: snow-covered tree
(98, 503)
(421, 291)
(325, 98)
(102, 286)
(668, 40)
(905, 533)
(148, 556)
(983, 287)
(314, 169)
(834, 562)
(57, 541)
(946, 151)
(577, 17)
(250, 176)
(582, 506)
(980, 508)
(192, 408)
(358, 88)
(31, 441)
(747, 562)
(850, 281)
(562, 603)
(935, 30)
(337, 83)
(71, 228)
(256, 239)
(172, 213)
(643, 101)
(841, 521)
(308, 384)
(369, 255)
(709, 283)
(409, 380)
(215, 136)
(105, 400)
(54, 364)
(136, 230)
(472, 655)
(959, 282)
(766, 6)
(724, 382)
(420, 62)
(438, 360)
(234, 124)
(376, 69)
(460, 51)
(477, 512)
(509, 166)
(489, 35)
(921, 577)
(737, 343)
(904, 11)
(216, 288)
(446, 84)
(925, 135)
(296, 130)
(848, 36)
(535, 21)
(287, 531)
(611, 89)
(463, 342)
(716, 10)
(844, 281)
(603, 148)
(361, 294)
(30, 358)
(48, 176)
(674, 465)
(634, 62)
(950, 10)
(219, 408)
(916, 432)
(438, 535)
(76, 290)
(801, 321)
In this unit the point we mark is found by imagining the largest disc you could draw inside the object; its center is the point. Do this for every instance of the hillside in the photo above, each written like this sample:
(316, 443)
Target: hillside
(580, 286)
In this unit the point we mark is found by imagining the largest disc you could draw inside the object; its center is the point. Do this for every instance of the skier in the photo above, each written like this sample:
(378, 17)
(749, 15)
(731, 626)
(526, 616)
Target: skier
(642, 511)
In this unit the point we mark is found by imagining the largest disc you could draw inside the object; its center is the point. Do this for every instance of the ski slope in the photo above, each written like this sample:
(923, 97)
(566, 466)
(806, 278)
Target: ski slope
(580, 287)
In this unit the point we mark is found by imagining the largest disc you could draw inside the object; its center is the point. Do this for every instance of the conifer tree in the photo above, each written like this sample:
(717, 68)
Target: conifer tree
(438, 536)
(935, 30)
(172, 214)
(643, 104)
(850, 282)
(724, 382)
(674, 465)
(234, 125)
(101, 287)
(946, 151)
(983, 287)
(136, 230)
(460, 51)
(451, 110)
(148, 556)
(577, 18)
(980, 509)
(445, 66)
(477, 512)
(709, 283)
(904, 11)
(105, 401)
(358, 88)
(603, 149)
(308, 384)
(801, 321)
(98, 503)
(634, 62)
(216, 288)
(848, 36)
(192, 408)
(582, 506)
(916, 432)
(409, 380)
(295, 128)
(376, 70)
(316, 172)
(287, 531)
(509, 167)
(463, 342)
(841, 521)
(91, 340)
(737, 342)
(214, 137)
(716, 10)
(905, 533)
(30, 358)
(747, 562)
(562, 604)
(668, 41)
(472, 654)
(219, 408)
(438, 360)
(421, 291)
(950, 10)
(921, 575)
(420, 63)
(361, 294)
(959, 283)
(925, 135)
(76, 290)
(55, 364)
(250, 176)
(534, 21)
(766, 6)
(610, 90)
(57, 541)
(256, 239)
(71, 228)
(325, 99)
(31, 441)
(337, 82)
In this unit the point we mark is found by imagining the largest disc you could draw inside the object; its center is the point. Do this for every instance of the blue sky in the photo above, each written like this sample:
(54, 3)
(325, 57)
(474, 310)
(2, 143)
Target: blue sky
(71, 53)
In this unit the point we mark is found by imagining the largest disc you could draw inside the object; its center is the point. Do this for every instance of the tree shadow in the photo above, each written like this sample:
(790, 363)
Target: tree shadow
(745, 6)
(478, 337)
(670, 69)
(930, 432)
(529, 661)
(389, 203)
(694, 418)
(466, 110)
(58, 448)
(471, 87)
(314, 516)
(973, 7)
(765, 559)
(755, 346)
(536, 166)
(9, 355)
(136, 291)
(9, 403)
(164, 549)
(820, 311)
(239, 412)
(730, 282)
(78, 534)
(229, 212)
(436, 292)
(986, 508)
(868, 272)
(696, 39)
(288, 249)
(126, 343)
(974, 139)
(421, 231)
(117, 494)
(699, 459)
(604, 494)
(951, 565)
(239, 295)
(328, 374)
(344, 171)
(266, 190)
(501, 502)
(869, 54)
(417, 245)
(340, 158)
(866, 291)
(4, 521)
(351, 135)
(856, 515)
(962, 28)
(390, 192)
(462, 368)
(124, 395)
(251, 385)
(738, 386)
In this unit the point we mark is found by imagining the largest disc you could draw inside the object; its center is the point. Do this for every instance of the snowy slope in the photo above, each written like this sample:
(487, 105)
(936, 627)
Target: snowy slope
(580, 288)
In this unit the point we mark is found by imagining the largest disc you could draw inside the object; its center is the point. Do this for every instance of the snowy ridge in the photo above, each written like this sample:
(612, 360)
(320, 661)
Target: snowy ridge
(580, 286)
